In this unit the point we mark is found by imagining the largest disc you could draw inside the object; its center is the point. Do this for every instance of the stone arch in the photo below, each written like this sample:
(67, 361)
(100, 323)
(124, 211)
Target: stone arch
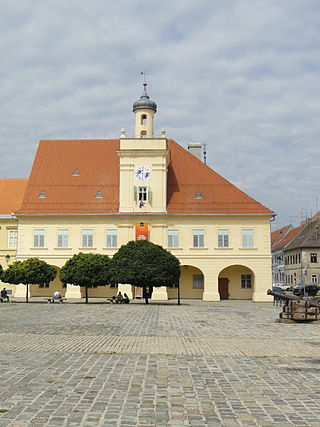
(191, 280)
(236, 281)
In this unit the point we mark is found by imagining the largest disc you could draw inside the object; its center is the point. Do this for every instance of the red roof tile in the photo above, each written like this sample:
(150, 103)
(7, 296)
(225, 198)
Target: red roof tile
(12, 191)
(282, 243)
(98, 166)
(187, 175)
(278, 235)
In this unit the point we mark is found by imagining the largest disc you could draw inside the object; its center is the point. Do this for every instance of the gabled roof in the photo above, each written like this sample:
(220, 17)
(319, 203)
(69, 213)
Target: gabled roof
(307, 237)
(98, 164)
(288, 238)
(187, 176)
(55, 163)
(277, 237)
(11, 191)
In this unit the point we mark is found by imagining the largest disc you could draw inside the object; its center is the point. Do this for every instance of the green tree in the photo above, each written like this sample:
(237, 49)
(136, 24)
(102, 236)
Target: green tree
(144, 264)
(87, 270)
(1, 272)
(32, 271)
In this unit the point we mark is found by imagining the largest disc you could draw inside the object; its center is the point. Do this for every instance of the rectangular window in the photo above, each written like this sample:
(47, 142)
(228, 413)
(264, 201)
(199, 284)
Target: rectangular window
(38, 238)
(313, 258)
(12, 239)
(247, 238)
(87, 238)
(173, 238)
(223, 238)
(198, 238)
(197, 281)
(63, 238)
(112, 235)
(314, 278)
(142, 194)
(245, 281)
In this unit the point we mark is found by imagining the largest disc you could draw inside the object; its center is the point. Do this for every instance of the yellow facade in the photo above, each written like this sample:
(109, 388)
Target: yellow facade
(213, 262)
(8, 239)
(245, 270)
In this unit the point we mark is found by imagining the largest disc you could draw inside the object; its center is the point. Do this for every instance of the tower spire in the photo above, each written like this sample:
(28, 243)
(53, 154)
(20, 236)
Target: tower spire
(144, 110)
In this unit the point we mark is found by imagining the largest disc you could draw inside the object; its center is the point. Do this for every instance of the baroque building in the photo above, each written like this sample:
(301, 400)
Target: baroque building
(96, 195)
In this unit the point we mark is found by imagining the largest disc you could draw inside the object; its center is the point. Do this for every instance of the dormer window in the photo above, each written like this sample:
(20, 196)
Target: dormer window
(99, 195)
(76, 172)
(42, 195)
(198, 195)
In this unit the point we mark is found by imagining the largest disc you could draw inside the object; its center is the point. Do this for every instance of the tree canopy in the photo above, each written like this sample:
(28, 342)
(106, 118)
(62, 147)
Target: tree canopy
(144, 264)
(87, 270)
(32, 271)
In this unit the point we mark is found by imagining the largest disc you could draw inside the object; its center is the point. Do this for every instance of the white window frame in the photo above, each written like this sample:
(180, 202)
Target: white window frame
(12, 239)
(246, 281)
(197, 281)
(198, 238)
(247, 238)
(87, 238)
(112, 238)
(223, 238)
(62, 238)
(173, 238)
(38, 238)
(314, 278)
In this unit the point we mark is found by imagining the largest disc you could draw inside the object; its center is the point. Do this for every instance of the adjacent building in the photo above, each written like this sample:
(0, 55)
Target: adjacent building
(96, 195)
(12, 192)
(302, 254)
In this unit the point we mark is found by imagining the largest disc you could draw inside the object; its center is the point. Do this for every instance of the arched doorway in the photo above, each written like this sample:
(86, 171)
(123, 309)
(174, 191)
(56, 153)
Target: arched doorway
(191, 283)
(236, 282)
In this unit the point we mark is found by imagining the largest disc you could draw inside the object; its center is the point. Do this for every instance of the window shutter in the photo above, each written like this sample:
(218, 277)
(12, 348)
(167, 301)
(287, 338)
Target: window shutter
(149, 195)
(135, 194)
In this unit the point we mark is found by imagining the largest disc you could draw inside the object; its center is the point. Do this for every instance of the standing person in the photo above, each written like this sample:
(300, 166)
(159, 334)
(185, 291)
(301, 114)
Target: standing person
(126, 299)
(4, 295)
(120, 298)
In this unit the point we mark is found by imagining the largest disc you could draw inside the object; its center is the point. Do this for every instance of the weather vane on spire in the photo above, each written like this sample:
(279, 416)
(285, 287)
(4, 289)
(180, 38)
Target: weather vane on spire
(144, 77)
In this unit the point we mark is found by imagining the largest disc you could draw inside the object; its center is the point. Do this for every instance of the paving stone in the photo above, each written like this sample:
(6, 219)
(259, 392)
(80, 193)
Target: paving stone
(200, 364)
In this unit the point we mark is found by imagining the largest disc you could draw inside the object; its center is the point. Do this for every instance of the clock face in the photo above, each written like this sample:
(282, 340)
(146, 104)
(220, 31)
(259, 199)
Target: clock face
(142, 173)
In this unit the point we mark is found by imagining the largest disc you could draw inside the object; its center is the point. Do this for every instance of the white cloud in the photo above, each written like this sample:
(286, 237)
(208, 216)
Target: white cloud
(240, 75)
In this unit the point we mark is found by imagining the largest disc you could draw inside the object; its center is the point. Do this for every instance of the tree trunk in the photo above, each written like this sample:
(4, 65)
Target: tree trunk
(27, 292)
(86, 294)
(179, 293)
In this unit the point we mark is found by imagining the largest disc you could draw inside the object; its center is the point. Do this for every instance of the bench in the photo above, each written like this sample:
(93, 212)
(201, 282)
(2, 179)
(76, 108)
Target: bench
(52, 300)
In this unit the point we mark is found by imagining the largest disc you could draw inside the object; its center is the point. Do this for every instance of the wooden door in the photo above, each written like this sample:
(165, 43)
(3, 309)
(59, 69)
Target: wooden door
(223, 287)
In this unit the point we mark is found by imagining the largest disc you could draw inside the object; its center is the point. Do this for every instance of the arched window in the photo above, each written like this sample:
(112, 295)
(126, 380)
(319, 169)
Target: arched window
(143, 119)
(143, 134)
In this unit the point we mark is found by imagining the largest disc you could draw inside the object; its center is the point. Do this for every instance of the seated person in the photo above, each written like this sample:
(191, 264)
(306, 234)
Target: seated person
(119, 298)
(126, 299)
(4, 295)
(57, 295)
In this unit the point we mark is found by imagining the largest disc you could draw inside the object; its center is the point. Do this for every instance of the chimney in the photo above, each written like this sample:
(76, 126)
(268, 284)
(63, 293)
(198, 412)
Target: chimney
(195, 149)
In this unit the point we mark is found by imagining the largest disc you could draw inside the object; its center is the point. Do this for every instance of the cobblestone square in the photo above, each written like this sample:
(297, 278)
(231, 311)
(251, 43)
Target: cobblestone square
(199, 364)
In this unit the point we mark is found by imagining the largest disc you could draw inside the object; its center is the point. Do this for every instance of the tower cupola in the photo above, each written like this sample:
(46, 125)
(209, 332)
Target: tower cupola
(144, 110)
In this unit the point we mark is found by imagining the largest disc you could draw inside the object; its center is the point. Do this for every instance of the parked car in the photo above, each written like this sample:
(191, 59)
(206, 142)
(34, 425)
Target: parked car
(306, 290)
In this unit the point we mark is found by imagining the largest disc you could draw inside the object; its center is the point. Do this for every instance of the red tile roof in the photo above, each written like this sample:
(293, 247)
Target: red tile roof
(98, 166)
(278, 235)
(187, 175)
(12, 191)
(288, 238)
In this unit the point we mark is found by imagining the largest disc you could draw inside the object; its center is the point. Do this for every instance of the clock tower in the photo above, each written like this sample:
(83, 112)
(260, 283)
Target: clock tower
(144, 163)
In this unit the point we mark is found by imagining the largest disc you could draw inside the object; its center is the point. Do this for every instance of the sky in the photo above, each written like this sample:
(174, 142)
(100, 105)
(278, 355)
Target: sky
(241, 76)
